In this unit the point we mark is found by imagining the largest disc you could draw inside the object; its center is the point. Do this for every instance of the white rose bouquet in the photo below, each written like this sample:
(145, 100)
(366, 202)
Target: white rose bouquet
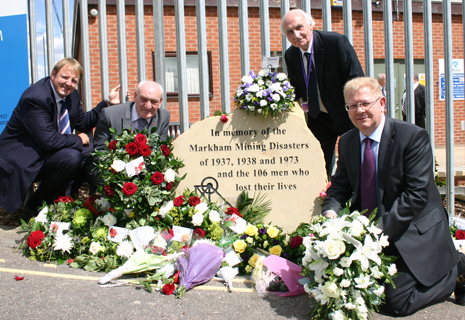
(266, 93)
(345, 266)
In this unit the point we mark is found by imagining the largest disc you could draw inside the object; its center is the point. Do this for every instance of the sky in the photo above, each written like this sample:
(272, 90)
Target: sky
(41, 30)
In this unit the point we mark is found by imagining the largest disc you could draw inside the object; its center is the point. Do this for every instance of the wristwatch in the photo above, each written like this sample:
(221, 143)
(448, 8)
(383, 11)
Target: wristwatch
(107, 100)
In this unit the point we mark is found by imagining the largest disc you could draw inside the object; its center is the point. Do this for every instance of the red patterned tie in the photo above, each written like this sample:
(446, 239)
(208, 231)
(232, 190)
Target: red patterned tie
(368, 179)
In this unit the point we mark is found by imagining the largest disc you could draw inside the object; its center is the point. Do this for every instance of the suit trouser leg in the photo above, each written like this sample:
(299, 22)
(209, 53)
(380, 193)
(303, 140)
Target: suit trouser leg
(326, 133)
(84, 174)
(57, 172)
(411, 296)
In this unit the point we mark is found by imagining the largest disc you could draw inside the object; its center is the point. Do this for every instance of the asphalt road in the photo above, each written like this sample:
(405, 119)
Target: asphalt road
(60, 292)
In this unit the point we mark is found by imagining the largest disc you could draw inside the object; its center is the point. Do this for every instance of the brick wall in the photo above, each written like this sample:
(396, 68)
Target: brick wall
(255, 51)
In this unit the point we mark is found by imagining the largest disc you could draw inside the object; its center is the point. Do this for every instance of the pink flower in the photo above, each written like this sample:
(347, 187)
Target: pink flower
(322, 194)
(224, 118)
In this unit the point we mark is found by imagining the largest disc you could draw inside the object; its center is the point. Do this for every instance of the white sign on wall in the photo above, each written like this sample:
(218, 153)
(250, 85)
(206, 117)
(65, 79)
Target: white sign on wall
(457, 79)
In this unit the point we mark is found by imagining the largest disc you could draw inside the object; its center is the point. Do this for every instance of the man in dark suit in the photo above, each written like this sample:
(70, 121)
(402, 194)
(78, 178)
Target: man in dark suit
(410, 209)
(37, 143)
(143, 113)
(420, 111)
(320, 87)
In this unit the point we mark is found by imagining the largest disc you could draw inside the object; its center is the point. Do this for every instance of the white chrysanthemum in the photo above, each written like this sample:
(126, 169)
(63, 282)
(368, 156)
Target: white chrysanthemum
(63, 243)
(247, 79)
(118, 165)
(345, 283)
(392, 269)
(338, 271)
(170, 175)
(281, 76)
(125, 249)
(262, 73)
(197, 219)
(158, 241)
(249, 96)
(214, 216)
(109, 220)
(253, 88)
(201, 207)
(363, 281)
(276, 97)
(103, 204)
(42, 216)
(95, 247)
(165, 208)
(379, 291)
(345, 262)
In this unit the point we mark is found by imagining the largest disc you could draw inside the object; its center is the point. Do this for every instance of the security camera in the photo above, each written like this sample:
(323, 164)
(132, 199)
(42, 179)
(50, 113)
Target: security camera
(93, 13)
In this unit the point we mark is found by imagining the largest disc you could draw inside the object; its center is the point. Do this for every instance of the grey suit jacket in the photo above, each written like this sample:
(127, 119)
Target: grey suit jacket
(119, 117)
(410, 207)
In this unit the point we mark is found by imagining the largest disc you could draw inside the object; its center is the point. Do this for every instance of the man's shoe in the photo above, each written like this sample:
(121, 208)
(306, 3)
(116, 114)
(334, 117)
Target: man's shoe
(28, 213)
(460, 286)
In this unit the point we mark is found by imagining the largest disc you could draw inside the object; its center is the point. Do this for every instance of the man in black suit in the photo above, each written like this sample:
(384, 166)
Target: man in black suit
(410, 209)
(38, 145)
(420, 111)
(319, 88)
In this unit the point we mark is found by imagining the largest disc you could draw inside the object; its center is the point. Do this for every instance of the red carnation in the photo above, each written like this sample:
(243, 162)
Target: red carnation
(129, 188)
(144, 150)
(193, 201)
(165, 150)
(132, 149)
(169, 186)
(460, 235)
(224, 118)
(200, 232)
(233, 210)
(157, 178)
(140, 139)
(34, 239)
(113, 232)
(112, 145)
(168, 288)
(179, 201)
(70, 261)
(108, 191)
(296, 242)
(64, 199)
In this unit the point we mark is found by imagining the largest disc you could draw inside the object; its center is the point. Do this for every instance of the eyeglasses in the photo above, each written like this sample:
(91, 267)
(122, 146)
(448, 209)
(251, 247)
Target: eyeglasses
(364, 105)
(153, 102)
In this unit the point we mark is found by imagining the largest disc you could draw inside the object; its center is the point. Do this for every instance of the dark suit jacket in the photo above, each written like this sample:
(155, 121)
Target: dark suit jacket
(119, 117)
(410, 207)
(420, 105)
(336, 63)
(31, 132)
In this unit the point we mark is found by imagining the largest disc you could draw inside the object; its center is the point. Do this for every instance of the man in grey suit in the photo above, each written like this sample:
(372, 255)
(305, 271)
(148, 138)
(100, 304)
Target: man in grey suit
(143, 113)
(410, 209)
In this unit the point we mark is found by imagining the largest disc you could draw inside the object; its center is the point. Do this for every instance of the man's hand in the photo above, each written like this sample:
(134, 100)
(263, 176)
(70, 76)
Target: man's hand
(330, 214)
(114, 95)
(84, 138)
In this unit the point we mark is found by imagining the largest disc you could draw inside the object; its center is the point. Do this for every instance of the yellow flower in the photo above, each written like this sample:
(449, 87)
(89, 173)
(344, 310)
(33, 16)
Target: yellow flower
(239, 246)
(131, 215)
(265, 244)
(273, 232)
(253, 260)
(249, 240)
(276, 250)
(248, 268)
(251, 230)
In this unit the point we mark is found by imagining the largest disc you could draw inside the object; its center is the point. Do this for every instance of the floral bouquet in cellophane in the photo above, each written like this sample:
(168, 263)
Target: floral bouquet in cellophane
(139, 174)
(345, 266)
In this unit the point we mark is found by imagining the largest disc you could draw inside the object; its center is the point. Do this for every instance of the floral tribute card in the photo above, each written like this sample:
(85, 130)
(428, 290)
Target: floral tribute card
(59, 227)
(135, 166)
(117, 234)
(239, 224)
(182, 234)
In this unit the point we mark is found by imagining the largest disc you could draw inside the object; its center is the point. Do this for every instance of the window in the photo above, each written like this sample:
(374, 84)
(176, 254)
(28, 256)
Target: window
(193, 74)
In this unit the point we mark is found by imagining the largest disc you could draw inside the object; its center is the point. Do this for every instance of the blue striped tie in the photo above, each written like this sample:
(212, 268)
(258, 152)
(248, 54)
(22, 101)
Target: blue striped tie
(64, 119)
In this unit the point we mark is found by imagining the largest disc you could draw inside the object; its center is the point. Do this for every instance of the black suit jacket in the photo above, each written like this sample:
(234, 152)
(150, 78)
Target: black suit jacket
(410, 207)
(420, 105)
(31, 132)
(336, 63)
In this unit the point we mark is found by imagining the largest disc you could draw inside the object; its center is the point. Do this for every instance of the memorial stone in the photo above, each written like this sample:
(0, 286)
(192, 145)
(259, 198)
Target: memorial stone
(276, 156)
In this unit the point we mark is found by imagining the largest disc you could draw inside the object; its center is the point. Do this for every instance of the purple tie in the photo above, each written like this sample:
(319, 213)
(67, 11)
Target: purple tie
(368, 179)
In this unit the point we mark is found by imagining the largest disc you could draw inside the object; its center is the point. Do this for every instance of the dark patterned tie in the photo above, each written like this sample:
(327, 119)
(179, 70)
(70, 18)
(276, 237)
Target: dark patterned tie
(313, 100)
(368, 179)
(141, 124)
(65, 128)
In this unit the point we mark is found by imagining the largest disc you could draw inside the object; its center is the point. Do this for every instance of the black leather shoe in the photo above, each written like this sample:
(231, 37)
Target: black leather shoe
(460, 286)
(28, 213)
